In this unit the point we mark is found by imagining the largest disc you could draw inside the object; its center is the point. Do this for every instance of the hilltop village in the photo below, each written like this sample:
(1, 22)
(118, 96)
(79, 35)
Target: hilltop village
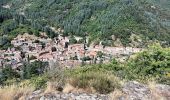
(30, 48)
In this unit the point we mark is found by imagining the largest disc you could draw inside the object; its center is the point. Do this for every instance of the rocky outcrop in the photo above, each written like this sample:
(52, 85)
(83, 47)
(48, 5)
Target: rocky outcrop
(137, 91)
(68, 96)
(163, 90)
(130, 91)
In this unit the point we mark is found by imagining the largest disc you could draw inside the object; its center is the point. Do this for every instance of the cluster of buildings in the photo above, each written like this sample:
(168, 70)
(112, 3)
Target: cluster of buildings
(30, 48)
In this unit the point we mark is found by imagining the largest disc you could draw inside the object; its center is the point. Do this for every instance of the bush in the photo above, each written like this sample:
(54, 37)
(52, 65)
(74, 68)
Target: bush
(102, 81)
(87, 58)
(151, 63)
(39, 82)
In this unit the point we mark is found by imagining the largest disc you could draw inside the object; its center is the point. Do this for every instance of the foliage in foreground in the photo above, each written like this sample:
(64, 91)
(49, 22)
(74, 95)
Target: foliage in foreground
(100, 81)
(151, 63)
(14, 92)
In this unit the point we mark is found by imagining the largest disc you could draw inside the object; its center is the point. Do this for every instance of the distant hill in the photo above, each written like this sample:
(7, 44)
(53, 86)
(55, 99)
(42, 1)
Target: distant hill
(133, 22)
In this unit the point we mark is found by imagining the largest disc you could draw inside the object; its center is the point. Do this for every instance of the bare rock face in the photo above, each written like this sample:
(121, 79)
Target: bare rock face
(68, 96)
(136, 91)
(163, 90)
(130, 91)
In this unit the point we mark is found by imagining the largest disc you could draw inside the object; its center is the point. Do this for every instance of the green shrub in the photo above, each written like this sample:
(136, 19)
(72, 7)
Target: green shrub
(101, 81)
(86, 58)
(104, 83)
(151, 63)
(38, 82)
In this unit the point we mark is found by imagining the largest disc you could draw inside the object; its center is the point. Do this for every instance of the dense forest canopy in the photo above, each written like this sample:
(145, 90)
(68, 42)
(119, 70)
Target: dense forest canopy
(130, 21)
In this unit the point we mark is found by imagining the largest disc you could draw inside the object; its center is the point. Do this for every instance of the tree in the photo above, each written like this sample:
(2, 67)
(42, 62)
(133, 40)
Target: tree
(36, 33)
(9, 73)
(53, 49)
(3, 40)
(87, 58)
(50, 33)
(66, 44)
(72, 40)
(100, 54)
(33, 69)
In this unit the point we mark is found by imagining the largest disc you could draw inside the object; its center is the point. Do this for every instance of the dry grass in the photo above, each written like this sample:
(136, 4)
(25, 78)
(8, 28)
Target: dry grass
(71, 89)
(14, 92)
(68, 88)
(99, 82)
(51, 88)
(154, 92)
(116, 95)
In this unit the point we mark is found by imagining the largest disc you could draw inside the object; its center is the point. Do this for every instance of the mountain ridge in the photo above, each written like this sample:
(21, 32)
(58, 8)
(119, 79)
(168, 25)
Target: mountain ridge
(147, 19)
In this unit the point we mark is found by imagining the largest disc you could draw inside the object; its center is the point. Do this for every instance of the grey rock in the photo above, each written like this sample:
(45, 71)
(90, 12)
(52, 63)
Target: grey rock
(71, 96)
(42, 98)
(163, 90)
(136, 91)
(131, 91)
(37, 92)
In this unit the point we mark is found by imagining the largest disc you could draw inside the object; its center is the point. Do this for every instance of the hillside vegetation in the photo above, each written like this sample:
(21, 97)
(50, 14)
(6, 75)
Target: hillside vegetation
(131, 21)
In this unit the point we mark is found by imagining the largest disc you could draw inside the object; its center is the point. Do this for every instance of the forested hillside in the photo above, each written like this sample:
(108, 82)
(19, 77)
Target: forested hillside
(130, 21)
